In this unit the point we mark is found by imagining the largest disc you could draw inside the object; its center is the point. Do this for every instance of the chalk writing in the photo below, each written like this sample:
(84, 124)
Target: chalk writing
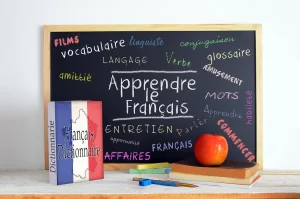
(127, 156)
(66, 41)
(118, 140)
(85, 50)
(228, 55)
(178, 145)
(195, 123)
(206, 43)
(136, 129)
(236, 140)
(222, 95)
(213, 113)
(152, 89)
(150, 42)
(124, 60)
(76, 76)
(223, 75)
(177, 62)
(248, 107)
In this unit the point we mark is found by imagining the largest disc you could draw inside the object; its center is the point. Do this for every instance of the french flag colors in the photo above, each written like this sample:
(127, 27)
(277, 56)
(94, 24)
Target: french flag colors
(75, 137)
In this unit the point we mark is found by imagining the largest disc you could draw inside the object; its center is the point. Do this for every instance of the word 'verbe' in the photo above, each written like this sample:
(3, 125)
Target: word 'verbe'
(178, 62)
(178, 145)
(127, 156)
(206, 43)
(236, 140)
(221, 95)
(228, 55)
(103, 46)
(248, 107)
(152, 89)
(223, 75)
(145, 128)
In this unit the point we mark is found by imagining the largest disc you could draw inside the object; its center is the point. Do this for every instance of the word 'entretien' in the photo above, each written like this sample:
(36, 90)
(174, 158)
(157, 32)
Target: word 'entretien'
(236, 140)
(76, 76)
(145, 128)
(228, 55)
(172, 145)
(206, 43)
(248, 107)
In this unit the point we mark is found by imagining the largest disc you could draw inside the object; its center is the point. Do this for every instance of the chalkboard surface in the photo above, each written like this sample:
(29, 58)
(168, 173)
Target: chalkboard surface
(162, 89)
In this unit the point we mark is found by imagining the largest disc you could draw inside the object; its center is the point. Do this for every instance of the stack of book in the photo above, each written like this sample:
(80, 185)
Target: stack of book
(230, 173)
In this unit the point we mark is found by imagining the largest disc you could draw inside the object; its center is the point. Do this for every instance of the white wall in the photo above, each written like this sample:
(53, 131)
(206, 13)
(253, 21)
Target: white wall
(21, 101)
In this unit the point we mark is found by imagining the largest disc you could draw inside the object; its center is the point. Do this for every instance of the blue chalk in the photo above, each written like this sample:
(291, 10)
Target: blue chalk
(168, 170)
(145, 182)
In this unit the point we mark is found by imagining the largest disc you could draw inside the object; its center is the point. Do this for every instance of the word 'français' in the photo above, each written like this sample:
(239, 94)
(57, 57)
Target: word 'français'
(213, 113)
(236, 140)
(228, 55)
(137, 129)
(196, 123)
(86, 77)
(127, 156)
(178, 145)
(152, 89)
(222, 95)
(206, 43)
(248, 107)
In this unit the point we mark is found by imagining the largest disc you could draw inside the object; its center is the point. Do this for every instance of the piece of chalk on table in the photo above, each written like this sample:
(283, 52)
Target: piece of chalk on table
(147, 171)
(145, 182)
(152, 166)
(168, 170)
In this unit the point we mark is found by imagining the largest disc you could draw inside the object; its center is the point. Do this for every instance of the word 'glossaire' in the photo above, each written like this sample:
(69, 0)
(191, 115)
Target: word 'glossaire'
(228, 55)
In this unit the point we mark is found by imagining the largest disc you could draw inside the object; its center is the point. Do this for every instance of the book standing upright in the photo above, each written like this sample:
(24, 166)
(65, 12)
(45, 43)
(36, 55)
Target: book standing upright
(75, 141)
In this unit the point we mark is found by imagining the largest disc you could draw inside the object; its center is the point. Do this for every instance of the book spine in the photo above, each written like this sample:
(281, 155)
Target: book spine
(52, 143)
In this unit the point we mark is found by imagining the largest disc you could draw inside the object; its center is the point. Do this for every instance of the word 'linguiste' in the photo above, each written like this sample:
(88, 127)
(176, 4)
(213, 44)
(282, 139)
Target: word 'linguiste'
(152, 88)
(206, 43)
(127, 156)
(223, 75)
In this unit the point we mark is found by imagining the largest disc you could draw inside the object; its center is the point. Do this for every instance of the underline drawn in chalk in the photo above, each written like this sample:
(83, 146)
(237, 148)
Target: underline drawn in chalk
(152, 117)
(154, 71)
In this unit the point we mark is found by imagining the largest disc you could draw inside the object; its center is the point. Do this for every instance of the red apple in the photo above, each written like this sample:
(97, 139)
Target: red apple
(210, 149)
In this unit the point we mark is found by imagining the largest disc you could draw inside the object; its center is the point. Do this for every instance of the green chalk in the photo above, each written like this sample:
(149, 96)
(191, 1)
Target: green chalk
(147, 171)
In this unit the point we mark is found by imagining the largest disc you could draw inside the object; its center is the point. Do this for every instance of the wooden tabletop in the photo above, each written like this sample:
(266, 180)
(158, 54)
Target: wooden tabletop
(119, 185)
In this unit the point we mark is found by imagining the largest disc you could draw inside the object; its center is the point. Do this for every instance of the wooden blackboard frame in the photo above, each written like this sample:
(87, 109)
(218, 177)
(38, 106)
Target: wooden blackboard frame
(48, 29)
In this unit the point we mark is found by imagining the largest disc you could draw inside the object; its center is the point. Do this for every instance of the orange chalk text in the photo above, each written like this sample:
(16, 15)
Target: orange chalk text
(66, 41)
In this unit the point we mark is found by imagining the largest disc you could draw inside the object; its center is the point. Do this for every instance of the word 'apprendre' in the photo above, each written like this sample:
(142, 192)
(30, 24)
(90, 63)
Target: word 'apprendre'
(150, 42)
(236, 140)
(124, 60)
(66, 41)
(222, 95)
(103, 46)
(179, 145)
(222, 74)
(206, 43)
(213, 113)
(137, 129)
(228, 55)
(249, 107)
(152, 89)
(86, 77)
(127, 156)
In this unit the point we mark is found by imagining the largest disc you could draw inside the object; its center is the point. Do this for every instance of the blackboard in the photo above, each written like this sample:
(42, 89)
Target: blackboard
(161, 86)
